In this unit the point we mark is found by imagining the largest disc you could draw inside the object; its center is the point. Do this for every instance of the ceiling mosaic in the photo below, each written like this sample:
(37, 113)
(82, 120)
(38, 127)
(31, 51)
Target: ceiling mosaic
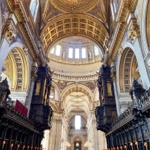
(74, 5)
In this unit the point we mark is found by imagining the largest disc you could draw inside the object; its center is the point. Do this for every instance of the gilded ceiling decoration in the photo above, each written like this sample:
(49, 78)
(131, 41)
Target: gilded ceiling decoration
(74, 5)
(73, 24)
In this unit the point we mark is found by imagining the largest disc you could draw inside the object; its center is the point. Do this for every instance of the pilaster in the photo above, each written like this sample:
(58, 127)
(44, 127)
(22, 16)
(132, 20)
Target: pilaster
(55, 132)
(8, 36)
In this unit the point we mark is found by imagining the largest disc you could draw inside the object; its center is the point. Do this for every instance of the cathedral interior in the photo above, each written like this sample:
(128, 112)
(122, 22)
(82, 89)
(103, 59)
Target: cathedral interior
(74, 74)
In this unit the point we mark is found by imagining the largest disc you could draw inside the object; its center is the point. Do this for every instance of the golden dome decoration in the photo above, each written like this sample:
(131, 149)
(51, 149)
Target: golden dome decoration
(74, 6)
(73, 24)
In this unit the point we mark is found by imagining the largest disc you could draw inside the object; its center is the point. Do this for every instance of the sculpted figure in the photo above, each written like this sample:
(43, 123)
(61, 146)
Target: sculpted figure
(138, 91)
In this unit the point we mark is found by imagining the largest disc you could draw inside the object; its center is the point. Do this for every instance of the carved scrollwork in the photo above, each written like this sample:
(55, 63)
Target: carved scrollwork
(134, 30)
(9, 33)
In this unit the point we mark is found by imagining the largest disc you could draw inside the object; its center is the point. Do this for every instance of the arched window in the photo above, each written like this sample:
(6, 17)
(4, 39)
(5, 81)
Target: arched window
(70, 54)
(58, 50)
(34, 5)
(77, 53)
(83, 52)
(77, 122)
(96, 50)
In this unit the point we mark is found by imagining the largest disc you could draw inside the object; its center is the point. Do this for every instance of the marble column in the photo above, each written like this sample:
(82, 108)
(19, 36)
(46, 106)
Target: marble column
(96, 139)
(55, 132)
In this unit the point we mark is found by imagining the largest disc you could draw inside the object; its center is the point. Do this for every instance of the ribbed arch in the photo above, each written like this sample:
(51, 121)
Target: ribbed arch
(128, 70)
(16, 68)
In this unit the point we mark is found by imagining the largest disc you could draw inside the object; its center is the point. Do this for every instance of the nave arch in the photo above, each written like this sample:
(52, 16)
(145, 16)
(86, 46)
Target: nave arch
(128, 70)
(15, 67)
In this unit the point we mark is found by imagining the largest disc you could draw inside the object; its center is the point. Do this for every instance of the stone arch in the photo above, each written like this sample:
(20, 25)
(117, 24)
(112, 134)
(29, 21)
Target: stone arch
(9, 71)
(77, 97)
(141, 64)
(79, 138)
(127, 69)
(15, 58)
(75, 88)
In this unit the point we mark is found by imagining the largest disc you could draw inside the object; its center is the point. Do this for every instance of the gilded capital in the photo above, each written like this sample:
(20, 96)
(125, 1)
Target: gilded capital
(134, 30)
(9, 33)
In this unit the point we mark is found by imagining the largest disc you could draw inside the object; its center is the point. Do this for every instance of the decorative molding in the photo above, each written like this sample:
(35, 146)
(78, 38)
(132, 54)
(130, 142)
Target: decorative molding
(126, 7)
(69, 77)
(20, 10)
(9, 33)
(134, 30)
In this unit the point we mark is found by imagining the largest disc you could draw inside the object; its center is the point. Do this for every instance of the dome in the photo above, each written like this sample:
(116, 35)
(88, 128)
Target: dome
(75, 50)
(75, 55)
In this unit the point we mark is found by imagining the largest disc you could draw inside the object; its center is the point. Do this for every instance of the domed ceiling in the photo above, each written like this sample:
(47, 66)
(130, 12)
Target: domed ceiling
(73, 37)
(75, 55)
(75, 50)
(74, 5)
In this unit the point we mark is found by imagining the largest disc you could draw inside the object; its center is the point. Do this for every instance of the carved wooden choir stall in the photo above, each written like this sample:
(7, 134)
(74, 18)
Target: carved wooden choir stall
(130, 130)
(17, 131)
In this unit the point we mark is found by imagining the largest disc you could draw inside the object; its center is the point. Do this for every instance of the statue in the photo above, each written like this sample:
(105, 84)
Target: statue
(138, 91)
(4, 91)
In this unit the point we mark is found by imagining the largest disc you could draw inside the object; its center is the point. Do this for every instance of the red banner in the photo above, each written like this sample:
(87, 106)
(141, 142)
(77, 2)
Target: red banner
(20, 108)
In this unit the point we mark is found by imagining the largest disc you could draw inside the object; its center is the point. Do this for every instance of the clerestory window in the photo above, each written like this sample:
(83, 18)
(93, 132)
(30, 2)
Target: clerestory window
(34, 6)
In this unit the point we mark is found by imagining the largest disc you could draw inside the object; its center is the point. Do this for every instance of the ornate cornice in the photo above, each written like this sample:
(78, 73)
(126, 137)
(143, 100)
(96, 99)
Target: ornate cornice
(125, 8)
(68, 77)
(9, 32)
(134, 30)
(19, 9)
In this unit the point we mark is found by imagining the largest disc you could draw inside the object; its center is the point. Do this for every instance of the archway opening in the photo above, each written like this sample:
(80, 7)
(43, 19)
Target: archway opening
(128, 70)
(15, 69)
